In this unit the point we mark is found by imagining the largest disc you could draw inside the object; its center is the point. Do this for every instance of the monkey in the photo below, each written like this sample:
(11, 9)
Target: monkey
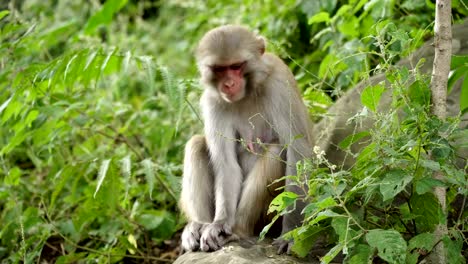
(256, 129)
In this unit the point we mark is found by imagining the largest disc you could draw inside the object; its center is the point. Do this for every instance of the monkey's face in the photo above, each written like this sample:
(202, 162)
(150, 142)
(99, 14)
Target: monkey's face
(226, 55)
(229, 81)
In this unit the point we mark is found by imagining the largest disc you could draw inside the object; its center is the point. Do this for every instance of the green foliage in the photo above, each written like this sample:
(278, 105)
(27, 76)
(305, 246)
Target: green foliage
(97, 101)
(383, 208)
(89, 153)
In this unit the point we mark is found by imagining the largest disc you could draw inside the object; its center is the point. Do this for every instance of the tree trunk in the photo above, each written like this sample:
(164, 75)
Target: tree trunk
(440, 72)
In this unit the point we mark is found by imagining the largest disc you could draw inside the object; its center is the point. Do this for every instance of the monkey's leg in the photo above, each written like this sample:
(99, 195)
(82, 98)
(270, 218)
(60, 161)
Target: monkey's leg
(256, 192)
(197, 201)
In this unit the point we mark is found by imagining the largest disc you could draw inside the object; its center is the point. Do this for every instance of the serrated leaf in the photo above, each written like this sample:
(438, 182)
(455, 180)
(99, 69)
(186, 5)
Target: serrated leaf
(454, 250)
(102, 174)
(427, 210)
(324, 215)
(304, 239)
(17, 139)
(106, 60)
(320, 205)
(370, 96)
(361, 254)
(393, 183)
(68, 66)
(425, 185)
(419, 93)
(90, 59)
(430, 164)
(282, 201)
(424, 241)
(390, 244)
(32, 115)
(351, 139)
(149, 173)
(61, 178)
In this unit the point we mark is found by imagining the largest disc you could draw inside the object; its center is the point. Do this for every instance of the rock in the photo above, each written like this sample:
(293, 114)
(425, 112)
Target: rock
(233, 253)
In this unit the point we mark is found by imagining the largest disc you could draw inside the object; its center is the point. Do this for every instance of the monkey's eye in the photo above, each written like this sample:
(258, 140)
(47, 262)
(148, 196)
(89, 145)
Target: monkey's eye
(237, 66)
(218, 69)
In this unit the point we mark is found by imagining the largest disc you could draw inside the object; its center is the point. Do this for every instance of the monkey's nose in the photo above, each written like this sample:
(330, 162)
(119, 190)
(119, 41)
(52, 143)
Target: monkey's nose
(229, 84)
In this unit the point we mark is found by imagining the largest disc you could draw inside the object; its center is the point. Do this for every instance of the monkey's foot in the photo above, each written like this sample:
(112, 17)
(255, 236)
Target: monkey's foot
(191, 237)
(215, 236)
(284, 246)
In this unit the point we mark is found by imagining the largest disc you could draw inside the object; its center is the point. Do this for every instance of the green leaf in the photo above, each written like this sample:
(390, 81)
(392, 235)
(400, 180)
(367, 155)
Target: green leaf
(68, 66)
(102, 175)
(304, 239)
(105, 15)
(4, 13)
(370, 96)
(267, 227)
(320, 205)
(149, 173)
(361, 254)
(282, 201)
(332, 254)
(61, 179)
(425, 185)
(5, 104)
(324, 215)
(351, 139)
(430, 164)
(17, 139)
(151, 219)
(350, 27)
(456, 75)
(454, 250)
(419, 93)
(319, 18)
(458, 61)
(393, 183)
(427, 211)
(424, 241)
(13, 177)
(32, 115)
(464, 95)
(390, 244)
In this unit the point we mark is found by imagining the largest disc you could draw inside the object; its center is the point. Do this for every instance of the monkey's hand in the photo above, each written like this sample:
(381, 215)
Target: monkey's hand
(216, 235)
(191, 237)
(284, 246)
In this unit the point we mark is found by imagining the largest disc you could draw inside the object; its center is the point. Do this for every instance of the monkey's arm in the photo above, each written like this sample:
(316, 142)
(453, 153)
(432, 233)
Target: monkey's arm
(220, 137)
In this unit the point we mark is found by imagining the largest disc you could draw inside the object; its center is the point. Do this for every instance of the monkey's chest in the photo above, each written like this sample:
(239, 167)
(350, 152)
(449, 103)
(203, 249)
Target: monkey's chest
(255, 133)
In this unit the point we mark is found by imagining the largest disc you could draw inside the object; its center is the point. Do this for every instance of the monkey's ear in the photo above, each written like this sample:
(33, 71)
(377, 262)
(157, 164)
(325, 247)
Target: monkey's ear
(261, 44)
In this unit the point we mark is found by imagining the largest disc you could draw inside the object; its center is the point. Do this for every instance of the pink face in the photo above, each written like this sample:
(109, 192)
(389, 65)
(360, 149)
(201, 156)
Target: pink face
(230, 81)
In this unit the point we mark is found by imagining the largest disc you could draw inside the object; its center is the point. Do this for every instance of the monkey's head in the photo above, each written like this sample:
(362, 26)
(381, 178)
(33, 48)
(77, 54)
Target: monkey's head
(226, 56)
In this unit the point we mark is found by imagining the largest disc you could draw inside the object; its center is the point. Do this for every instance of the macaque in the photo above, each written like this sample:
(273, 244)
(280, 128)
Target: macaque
(256, 129)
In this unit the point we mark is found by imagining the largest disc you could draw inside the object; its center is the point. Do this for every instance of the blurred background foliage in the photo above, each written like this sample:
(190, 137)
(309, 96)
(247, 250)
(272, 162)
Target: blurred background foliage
(98, 98)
